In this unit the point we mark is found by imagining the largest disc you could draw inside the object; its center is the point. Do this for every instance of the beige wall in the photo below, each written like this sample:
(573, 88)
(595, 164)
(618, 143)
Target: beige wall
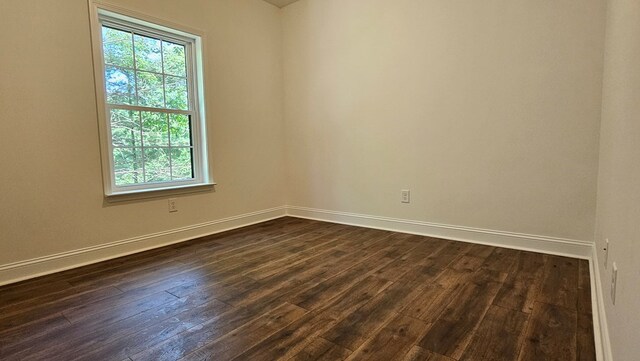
(619, 181)
(487, 110)
(50, 176)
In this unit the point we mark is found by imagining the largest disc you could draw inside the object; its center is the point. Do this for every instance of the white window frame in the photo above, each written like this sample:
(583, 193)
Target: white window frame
(102, 13)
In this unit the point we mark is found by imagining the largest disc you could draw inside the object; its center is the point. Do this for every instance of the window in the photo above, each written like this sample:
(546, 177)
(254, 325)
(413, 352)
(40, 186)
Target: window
(149, 81)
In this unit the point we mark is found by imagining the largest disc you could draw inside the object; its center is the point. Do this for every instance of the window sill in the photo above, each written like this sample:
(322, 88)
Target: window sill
(159, 192)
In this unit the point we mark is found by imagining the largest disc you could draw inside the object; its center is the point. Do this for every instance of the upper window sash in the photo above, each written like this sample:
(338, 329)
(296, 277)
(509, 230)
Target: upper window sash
(161, 35)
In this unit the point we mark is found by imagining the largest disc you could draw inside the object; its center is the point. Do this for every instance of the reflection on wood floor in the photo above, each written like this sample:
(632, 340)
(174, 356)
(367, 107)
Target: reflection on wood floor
(293, 289)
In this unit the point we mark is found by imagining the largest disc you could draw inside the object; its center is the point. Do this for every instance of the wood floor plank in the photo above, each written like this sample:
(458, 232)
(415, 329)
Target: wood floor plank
(450, 278)
(125, 305)
(452, 332)
(296, 289)
(230, 242)
(343, 304)
(501, 259)
(584, 289)
(522, 286)
(467, 263)
(498, 337)
(430, 304)
(75, 291)
(235, 266)
(21, 337)
(480, 250)
(585, 343)
(338, 307)
(67, 294)
(420, 256)
(212, 329)
(356, 328)
(137, 342)
(438, 265)
(242, 329)
(417, 353)
(551, 334)
(365, 239)
(325, 267)
(87, 335)
(290, 340)
(86, 320)
(448, 254)
(560, 283)
(264, 269)
(320, 349)
(584, 301)
(260, 246)
(399, 244)
(54, 281)
(422, 274)
(584, 276)
(12, 294)
(317, 296)
(393, 341)
(15, 316)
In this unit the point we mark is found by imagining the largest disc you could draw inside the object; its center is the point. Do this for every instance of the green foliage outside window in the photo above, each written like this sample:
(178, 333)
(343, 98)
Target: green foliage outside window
(143, 71)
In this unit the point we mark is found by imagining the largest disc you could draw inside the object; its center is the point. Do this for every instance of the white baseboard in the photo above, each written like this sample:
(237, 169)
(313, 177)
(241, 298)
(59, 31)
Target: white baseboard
(600, 327)
(22, 270)
(526, 242)
(18, 271)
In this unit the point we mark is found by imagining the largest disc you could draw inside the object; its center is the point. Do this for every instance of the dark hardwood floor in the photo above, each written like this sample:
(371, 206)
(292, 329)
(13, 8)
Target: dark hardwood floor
(293, 289)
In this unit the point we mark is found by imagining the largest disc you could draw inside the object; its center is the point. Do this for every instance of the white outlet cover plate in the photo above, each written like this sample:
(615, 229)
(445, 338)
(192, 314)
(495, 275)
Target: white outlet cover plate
(173, 207)
(406, 196)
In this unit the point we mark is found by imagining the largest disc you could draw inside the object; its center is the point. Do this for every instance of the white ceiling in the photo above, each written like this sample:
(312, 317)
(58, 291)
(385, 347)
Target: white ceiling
(280, 3)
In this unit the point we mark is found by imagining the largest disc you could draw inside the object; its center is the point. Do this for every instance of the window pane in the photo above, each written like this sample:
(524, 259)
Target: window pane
(176, 92)
(180, 128)
(156, 164)
(150, 89)
(155, 129)
(127, 164)
(125, 128)
(118, 48)
(181, 163)
(148, 55)
(120, 86)
(174, 59)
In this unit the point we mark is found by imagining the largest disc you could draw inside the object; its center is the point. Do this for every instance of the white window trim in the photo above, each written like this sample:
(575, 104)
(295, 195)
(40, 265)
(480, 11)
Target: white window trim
(181, 34)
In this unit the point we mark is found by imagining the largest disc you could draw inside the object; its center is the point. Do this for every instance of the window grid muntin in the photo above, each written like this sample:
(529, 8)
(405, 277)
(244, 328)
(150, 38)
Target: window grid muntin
(164, 95)
(167, 113)
(146, 71)
(190, 87)
(163, 74)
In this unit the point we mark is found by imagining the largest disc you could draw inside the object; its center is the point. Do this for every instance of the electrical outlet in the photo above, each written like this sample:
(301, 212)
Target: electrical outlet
(614, 281)
(606, 253)
(405, 196)
(173, 207)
